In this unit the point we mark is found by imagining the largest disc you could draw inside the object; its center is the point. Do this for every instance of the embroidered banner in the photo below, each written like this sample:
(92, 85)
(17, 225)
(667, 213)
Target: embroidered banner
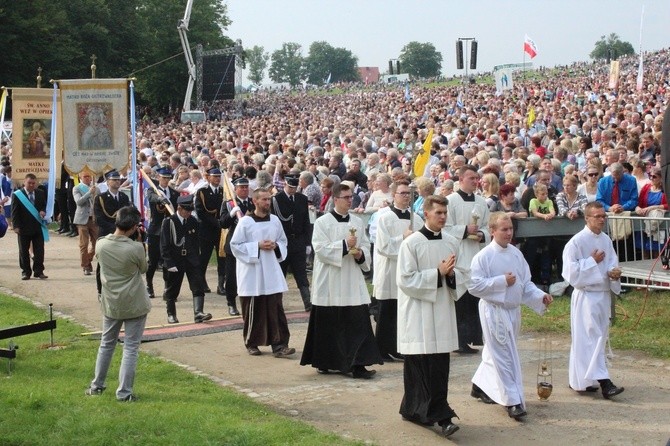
(94, 113)
(31, 133)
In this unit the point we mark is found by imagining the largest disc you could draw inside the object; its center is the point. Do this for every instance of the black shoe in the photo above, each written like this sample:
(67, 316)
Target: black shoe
(73, 234)
(41, 276)
(25, 276)
(610, 390)
(467, 350)
(220, 291)
(207, 290)
(150, 291)
(172, 319)
(517, 412)
(449, 428)
(363, 373)
(232, 310)
(202, 317)
(323, 371)
(478, 393)
(62, 230)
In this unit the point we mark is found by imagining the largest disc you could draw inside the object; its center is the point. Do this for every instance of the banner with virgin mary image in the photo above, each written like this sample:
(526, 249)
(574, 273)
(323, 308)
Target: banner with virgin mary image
(31, 133)
(95, 124)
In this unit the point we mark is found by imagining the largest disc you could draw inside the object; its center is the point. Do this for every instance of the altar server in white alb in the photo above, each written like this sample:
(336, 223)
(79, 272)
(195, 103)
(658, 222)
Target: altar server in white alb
(500, 278)
(427, 318)
(590, 265)
(259, 245)
(339, 335)
(467, 221)
(392, 228)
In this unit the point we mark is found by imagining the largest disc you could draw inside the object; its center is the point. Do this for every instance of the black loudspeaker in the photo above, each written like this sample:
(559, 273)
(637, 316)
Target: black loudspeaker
(459, 54)
(473, 55)
(218, 77)
(397, 67)
(390, 67)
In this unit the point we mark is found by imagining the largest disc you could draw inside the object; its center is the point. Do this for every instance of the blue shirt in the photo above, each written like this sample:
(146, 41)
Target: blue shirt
(627, 192)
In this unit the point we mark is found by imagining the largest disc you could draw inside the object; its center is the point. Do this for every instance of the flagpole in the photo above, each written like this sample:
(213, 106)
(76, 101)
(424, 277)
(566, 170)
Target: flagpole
(135, 184)
(640, 74)
(51, 186)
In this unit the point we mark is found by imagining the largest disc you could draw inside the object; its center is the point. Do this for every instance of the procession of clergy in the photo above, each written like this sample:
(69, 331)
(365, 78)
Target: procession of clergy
(443, 284)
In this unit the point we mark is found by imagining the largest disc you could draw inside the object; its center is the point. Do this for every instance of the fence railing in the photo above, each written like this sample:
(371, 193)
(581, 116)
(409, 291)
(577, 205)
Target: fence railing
(638, 242)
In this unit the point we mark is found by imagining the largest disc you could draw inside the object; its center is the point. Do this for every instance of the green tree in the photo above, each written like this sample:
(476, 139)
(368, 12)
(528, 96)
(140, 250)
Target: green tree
(287, 64)
(127, 36)
(257, 58)
(165, 83)
(611, 46)
(420, 59)
(324, 60)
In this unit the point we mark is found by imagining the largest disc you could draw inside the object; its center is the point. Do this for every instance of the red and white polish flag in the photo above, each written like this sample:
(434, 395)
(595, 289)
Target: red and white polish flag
(529, 47)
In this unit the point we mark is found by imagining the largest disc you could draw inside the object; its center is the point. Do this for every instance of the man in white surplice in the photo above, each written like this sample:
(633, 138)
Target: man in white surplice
(393, 227)
(500, 277)
(427, 318)
(590, 265)
(259, 245)
(339, 335)
(467, 221)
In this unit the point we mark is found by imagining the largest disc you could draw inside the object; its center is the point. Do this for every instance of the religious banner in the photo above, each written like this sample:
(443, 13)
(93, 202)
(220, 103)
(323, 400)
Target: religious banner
(94, 113)
(504, 79)
(614, 74)
(31, 133)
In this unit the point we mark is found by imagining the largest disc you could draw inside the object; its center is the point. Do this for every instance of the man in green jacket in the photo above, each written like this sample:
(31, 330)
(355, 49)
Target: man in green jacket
(124, 301)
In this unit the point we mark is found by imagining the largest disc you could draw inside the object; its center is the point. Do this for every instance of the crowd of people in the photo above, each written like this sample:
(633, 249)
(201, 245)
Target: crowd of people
(327, 184)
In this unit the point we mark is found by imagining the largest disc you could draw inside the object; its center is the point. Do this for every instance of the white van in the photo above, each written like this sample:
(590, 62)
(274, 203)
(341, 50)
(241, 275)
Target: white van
(193, 116)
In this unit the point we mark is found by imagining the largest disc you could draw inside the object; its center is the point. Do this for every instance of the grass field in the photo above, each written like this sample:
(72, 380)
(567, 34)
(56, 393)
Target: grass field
(641, 323)
(43, 401)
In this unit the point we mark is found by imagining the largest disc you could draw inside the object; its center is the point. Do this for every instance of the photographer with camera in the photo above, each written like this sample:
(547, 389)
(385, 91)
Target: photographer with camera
(124, 301)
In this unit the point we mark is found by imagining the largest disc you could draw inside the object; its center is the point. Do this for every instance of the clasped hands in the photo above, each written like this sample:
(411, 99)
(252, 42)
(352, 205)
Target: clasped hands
(446, 266)
(267, 245)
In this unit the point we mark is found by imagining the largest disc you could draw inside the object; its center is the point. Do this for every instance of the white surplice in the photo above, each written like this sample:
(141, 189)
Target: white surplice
(459, 215)
(499, 373)
(258, 271)
(590, 307)
(337, 280)
(390, 230)
(426, 312)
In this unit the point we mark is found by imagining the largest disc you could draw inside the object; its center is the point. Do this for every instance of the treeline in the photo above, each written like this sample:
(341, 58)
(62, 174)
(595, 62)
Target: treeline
(126, 36)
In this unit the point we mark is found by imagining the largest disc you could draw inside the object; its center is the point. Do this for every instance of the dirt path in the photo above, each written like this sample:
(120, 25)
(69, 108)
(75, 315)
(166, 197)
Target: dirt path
(368, 410)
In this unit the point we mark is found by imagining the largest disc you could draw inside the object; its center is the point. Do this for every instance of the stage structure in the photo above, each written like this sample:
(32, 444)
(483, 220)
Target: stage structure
(219, 73)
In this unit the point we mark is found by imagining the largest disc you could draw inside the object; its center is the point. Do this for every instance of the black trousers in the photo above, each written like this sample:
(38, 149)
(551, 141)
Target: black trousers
(173, 281)
(231, 280)
(467, 320)
(296, 260)
(387, 327)
(209, 241)
(426, 379)
(37, 241)
(154, 257)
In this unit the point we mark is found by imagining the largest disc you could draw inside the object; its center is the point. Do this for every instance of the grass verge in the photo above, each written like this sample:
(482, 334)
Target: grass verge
(641, 322)
(43, 401)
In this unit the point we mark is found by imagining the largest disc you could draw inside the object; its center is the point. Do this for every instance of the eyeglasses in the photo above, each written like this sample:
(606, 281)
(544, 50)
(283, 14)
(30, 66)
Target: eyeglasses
(592, 174)
(346, 197)
(403, 193)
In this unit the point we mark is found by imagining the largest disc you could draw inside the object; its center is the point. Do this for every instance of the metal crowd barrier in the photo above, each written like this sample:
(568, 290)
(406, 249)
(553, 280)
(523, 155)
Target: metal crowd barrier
(638, 242)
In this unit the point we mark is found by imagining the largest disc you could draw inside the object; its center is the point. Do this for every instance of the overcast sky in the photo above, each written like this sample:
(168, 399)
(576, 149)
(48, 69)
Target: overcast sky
(376, 30)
